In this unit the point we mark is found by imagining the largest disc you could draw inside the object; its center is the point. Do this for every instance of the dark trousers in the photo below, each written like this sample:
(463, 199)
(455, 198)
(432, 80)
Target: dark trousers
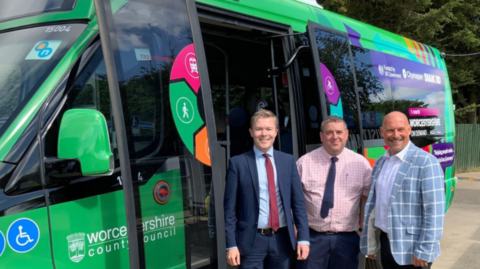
(388, 262)
(332, 251)
(269, 251)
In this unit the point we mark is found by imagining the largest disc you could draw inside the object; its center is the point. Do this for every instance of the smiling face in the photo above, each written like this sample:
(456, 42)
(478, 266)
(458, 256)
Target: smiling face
(334, 137)
(263, 132)
(396, 131)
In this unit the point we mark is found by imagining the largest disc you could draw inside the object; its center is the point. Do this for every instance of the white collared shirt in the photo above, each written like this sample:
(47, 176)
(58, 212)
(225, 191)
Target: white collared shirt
(384, 186)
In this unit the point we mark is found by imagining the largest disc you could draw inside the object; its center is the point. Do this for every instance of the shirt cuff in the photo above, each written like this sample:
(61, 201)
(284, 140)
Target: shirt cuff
(232, 248)
(303, 242)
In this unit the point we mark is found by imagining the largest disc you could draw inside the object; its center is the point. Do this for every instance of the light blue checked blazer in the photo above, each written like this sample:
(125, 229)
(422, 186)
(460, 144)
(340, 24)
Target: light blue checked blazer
(417, 208)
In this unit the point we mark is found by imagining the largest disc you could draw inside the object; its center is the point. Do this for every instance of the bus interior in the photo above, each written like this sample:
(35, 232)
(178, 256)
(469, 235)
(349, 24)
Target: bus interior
(239, 58)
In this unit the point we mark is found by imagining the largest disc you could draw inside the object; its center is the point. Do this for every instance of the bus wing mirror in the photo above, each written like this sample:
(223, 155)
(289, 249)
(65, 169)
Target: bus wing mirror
(84, 136)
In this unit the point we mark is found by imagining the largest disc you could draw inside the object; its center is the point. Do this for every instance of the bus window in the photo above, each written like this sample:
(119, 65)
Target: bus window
(27, 177)
(376, 100)
(337, 80)
(310, 98)
(29, 56)
(389, 83)
(24, 8)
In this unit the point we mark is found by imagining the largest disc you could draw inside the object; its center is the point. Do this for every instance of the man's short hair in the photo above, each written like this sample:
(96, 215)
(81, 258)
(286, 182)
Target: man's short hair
(263, 113)
(335, 119)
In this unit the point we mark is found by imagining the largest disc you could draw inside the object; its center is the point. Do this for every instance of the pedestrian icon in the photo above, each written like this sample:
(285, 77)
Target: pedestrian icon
(2, 243)
(185, 110)
(23, 235)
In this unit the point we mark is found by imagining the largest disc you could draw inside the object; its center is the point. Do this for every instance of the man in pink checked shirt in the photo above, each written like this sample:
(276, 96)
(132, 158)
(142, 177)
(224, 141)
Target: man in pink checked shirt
(336, 183)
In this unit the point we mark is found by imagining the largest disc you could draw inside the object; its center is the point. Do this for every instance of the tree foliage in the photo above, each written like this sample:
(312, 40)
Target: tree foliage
(452, 26)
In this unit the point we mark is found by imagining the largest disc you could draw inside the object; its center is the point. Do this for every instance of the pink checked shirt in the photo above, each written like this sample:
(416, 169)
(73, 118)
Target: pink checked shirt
(352, 180)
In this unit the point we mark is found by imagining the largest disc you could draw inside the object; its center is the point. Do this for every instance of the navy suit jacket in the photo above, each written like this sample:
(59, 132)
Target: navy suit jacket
(242, 194)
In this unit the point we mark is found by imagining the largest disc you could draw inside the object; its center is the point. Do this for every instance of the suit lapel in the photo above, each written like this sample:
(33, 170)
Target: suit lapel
(280, 171)
(252, 167)
(402, 171)
(375, 175)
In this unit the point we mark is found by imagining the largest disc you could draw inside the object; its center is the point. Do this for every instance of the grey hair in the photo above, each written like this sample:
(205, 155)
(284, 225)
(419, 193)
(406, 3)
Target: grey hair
(335, 119)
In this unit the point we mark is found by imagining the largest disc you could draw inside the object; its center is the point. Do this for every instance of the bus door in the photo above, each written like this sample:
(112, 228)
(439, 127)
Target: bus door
(239, 57)
(335, 92)
(159, 73)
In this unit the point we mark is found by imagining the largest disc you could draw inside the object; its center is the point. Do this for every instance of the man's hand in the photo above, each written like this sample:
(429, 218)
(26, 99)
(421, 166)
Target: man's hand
(302, 251)
(233, 257)
(419, 263)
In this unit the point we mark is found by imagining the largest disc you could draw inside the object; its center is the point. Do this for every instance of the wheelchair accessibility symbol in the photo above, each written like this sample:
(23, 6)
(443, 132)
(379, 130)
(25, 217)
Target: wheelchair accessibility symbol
(23, 235)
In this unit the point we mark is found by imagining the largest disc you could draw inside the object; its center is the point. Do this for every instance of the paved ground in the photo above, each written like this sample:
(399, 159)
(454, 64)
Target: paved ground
(460, 243)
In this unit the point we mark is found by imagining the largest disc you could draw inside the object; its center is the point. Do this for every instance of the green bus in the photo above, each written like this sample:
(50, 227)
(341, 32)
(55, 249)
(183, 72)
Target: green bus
(117, 118)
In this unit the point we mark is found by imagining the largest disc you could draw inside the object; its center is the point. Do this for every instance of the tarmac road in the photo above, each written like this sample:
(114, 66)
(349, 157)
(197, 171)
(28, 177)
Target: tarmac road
(460, 244)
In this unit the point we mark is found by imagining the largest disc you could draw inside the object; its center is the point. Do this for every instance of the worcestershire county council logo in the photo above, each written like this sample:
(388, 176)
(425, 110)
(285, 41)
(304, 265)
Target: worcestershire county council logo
(380, 70)
(76, 246)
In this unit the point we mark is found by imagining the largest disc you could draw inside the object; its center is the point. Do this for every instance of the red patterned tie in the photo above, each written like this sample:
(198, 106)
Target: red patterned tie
(273, 219)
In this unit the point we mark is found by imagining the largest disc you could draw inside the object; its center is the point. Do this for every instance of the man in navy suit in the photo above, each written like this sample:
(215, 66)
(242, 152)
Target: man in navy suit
(260, 231)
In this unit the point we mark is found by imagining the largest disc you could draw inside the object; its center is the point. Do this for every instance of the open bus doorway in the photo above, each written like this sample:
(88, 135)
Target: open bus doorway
(239, 57)
(238, 60)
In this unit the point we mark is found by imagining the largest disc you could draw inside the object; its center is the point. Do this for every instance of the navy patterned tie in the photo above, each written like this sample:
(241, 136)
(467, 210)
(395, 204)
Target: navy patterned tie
(328, 197)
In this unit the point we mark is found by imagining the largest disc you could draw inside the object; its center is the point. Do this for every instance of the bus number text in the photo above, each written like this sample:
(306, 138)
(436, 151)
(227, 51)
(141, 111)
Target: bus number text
(58, 29)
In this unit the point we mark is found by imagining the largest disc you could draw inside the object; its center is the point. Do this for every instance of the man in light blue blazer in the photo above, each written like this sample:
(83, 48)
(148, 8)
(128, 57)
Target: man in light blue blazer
(405, 209)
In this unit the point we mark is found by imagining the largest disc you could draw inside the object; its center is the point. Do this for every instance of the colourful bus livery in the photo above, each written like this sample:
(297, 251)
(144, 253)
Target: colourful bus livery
(189, 75)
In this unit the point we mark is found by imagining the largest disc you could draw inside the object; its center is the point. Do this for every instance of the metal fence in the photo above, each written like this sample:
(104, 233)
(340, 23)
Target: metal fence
(467, 147)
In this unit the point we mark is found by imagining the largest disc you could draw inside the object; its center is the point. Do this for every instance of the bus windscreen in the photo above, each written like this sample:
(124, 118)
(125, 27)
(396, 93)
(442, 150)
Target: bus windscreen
(29, 56)
(24, 8)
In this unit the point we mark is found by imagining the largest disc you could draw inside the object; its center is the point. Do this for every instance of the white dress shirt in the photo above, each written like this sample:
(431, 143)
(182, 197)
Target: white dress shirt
(384, 186)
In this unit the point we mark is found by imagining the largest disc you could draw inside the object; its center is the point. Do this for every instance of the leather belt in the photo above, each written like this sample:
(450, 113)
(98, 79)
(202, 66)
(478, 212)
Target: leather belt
(270, 231)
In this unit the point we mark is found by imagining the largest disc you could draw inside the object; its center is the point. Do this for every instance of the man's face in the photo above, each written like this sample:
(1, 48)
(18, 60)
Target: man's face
(263, 133)
(396, 132)
(334, 137)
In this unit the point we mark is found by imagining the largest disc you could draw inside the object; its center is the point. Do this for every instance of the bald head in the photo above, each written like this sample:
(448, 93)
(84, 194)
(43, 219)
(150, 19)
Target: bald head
(395, 116)
(396, 131)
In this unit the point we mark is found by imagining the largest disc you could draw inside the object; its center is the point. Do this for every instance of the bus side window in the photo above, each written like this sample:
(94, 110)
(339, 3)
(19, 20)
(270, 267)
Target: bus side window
(378, 99)
(310, 98)
(26, 177)
(375, 100)
(90, 91)
(336, 62)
